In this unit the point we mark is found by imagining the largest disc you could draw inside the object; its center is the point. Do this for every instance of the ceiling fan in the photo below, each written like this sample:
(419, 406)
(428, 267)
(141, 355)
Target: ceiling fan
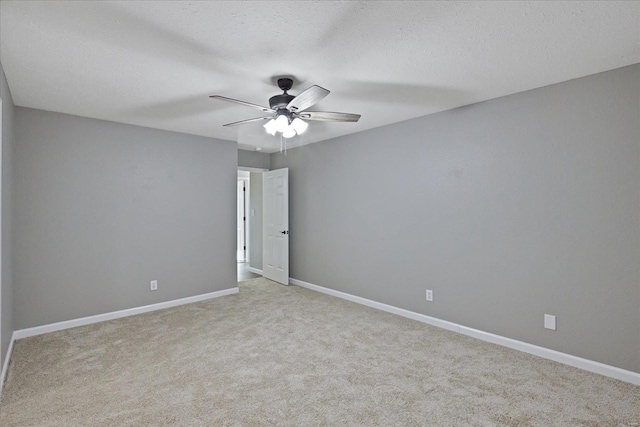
(288, 111)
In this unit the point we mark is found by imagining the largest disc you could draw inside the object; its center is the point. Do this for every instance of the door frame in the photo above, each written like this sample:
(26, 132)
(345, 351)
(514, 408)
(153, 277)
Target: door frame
(245, 240)
(1, 195)
(247, 208)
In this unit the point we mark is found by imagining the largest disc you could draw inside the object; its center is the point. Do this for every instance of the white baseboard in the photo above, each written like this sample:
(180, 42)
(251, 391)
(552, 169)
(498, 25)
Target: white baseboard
(567, 359)
(254, 270)
(44, 329)
(5, 365)
(380, 306)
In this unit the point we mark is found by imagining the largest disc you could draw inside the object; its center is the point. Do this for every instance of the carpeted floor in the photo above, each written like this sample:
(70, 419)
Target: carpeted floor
(277, 355)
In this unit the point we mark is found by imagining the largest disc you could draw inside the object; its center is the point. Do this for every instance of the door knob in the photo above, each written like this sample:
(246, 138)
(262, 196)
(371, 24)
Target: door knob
(285, 232)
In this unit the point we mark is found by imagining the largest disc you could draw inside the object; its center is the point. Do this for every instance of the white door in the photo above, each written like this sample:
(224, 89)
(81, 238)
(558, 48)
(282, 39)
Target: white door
(241, 221)
(275, 193)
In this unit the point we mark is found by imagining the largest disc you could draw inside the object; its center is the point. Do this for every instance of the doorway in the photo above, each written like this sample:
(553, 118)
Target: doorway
(249, 223)
(241, 216)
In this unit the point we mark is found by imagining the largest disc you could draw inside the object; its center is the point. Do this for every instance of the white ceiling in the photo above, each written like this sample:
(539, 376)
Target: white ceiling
(155, 63)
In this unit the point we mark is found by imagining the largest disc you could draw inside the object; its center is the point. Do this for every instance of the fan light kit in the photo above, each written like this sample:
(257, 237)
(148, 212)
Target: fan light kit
(288, 111)
(281, 124)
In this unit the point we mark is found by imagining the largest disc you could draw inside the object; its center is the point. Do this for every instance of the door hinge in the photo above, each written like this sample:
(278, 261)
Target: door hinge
(245, 248)
(244, 218)
(244, 189)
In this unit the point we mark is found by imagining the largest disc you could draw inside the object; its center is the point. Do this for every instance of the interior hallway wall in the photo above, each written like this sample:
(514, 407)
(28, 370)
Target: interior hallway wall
(254, 159)
(255, 204)
(507, 209)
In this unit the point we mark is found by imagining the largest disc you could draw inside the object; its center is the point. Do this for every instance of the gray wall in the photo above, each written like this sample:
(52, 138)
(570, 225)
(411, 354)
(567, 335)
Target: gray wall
(102, 208)
(255, 224)
(507, 209)
(253, 159)
(8, 141)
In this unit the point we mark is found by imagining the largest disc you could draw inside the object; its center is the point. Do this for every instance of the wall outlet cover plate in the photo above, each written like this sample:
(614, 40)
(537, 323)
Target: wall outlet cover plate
(550, 322)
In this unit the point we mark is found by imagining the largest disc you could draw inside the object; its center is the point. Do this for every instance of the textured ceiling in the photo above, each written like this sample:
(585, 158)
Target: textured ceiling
(155, 63)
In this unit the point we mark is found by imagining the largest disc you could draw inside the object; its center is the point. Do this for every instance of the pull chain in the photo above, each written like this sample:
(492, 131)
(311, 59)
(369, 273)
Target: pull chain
(283, 145)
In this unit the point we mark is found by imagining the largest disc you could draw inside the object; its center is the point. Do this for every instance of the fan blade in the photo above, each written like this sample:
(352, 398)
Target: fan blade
(327, 116)
(241, 122)
(248, 104)
(307, 98)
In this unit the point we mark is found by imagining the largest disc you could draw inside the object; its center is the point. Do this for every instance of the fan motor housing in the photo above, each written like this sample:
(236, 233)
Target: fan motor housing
(280, 101)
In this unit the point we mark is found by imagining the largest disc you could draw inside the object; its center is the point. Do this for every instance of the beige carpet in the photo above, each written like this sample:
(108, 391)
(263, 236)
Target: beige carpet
(277, 355)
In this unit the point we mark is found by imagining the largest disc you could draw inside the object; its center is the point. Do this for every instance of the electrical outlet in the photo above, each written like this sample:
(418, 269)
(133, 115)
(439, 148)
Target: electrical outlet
(153, 285)
(550, 322)
(429, 295)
